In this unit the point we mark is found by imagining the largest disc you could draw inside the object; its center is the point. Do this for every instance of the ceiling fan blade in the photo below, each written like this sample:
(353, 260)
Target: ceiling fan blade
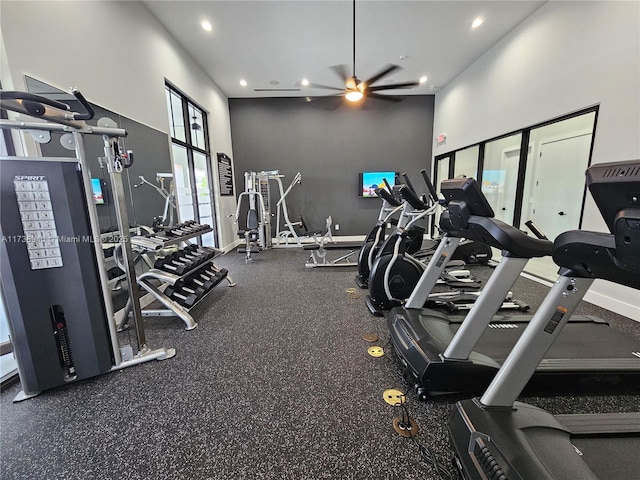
(394, 86)
(341, 71)
(324, 87)
(382, 73)
(383, 97)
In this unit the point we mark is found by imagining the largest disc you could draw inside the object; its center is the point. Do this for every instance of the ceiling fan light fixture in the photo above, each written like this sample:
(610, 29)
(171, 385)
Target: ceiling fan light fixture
(354, 96)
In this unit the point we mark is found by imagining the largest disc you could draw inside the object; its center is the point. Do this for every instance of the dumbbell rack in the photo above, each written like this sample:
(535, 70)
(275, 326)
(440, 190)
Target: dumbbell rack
(148, 280)
(108, 241)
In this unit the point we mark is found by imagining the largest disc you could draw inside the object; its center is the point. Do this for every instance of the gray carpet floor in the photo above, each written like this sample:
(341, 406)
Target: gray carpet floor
(274, 383)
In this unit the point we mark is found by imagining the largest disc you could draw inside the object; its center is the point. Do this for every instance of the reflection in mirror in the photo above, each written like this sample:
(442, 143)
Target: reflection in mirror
(151, 153)
(555, 183)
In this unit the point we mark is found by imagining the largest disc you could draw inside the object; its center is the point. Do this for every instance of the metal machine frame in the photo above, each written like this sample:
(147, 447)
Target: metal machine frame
(60, 119)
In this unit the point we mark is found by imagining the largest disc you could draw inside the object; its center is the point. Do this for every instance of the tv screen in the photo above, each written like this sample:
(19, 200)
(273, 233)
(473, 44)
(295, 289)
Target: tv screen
(98, 194)
(369, 181)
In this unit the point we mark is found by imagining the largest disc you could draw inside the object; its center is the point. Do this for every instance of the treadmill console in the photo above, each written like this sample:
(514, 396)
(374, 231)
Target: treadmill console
(615, 187)
(463, 197)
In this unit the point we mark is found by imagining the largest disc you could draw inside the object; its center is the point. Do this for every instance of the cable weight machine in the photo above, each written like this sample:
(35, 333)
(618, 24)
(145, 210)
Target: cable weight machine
(54, 281)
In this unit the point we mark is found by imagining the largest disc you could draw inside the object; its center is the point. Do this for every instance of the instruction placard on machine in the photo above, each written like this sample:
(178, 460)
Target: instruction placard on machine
(38, 223)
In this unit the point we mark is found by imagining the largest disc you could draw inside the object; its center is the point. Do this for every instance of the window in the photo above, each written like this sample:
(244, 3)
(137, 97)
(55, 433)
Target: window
(191, 161)
(536, 173)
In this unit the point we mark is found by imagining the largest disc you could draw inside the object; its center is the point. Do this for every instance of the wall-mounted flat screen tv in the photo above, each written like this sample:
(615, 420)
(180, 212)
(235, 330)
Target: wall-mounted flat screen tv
(98, 193)
(369, 181)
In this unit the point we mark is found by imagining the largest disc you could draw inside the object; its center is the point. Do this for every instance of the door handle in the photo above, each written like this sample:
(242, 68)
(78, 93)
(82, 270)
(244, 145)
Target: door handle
(561, 213)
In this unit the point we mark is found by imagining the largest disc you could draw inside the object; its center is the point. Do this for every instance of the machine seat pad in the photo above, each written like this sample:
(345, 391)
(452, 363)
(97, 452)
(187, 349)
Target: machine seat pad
(498, 234)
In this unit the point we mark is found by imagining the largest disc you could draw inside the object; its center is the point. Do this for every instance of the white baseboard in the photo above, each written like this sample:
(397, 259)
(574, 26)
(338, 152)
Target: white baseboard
(604, 301)
(613, 304)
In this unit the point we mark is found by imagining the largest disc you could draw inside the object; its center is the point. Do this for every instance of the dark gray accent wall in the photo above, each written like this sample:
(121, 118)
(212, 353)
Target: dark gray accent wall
(330, 144)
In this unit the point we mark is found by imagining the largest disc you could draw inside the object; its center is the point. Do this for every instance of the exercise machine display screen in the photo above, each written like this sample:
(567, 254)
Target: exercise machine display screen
(98, 194)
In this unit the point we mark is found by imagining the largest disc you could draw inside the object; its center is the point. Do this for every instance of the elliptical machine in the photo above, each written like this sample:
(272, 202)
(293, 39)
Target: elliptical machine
(391, 205)
(396, 272)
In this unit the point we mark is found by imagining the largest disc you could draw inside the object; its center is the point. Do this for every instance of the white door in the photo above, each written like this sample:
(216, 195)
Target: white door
(559, 184)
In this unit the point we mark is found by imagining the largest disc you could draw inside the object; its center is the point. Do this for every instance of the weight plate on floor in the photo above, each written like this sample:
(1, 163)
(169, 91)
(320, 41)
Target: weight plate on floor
(375, 351)
(394, 397)
(370, 337)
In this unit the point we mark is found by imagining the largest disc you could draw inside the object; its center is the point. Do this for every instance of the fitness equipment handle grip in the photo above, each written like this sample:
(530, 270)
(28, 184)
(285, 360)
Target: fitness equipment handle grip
(387, 184)
(407, 182)
(89, 113)
(30, 97)
(382, 192)
(430, 186)
(535, 230)
(410, 196)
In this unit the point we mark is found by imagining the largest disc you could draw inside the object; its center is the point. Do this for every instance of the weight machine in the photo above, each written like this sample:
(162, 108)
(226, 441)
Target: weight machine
(257, 233)
(54, 280)
(167, 217)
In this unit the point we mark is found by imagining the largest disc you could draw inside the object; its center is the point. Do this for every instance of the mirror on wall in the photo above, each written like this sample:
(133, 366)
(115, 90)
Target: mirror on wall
(151, 153)
(545, 184)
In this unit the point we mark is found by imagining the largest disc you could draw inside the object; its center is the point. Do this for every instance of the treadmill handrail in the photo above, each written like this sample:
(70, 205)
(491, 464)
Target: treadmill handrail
(498, 234)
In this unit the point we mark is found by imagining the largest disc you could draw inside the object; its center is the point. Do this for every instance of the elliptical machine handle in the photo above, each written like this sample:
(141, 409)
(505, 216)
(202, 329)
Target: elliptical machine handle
(410, 196)
(407, 182)
(386, 184)
(432, 189)
(391, 200)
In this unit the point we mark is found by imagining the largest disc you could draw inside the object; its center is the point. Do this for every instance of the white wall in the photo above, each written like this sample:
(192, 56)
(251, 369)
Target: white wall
(565, 57)
(118, 55)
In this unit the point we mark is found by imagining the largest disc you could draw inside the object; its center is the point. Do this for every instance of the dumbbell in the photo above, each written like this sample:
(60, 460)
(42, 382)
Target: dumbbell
(180, 262)
(201, 255)
(184, 228)
(195, 249)
(178, 291)
(202, 281)
(212, 273)
(171, 265)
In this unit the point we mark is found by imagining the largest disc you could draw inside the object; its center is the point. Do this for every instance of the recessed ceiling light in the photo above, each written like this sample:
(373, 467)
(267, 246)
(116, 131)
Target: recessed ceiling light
(305, 82)
(243, 82)
(423, 79)
(206, 25)
(477, 22)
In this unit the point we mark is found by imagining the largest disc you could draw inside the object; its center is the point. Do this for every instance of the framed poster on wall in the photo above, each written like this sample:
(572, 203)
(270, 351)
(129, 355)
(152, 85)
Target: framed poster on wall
(225, 175)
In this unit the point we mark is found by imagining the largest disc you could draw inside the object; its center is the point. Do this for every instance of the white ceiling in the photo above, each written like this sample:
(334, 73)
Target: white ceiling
(273, 41)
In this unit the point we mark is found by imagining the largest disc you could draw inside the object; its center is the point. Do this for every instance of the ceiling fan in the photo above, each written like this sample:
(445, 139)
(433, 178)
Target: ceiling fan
(355, 89)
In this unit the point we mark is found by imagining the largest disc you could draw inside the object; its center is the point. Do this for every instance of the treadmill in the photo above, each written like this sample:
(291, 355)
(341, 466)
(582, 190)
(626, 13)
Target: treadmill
(496, 437)
(448, 354)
